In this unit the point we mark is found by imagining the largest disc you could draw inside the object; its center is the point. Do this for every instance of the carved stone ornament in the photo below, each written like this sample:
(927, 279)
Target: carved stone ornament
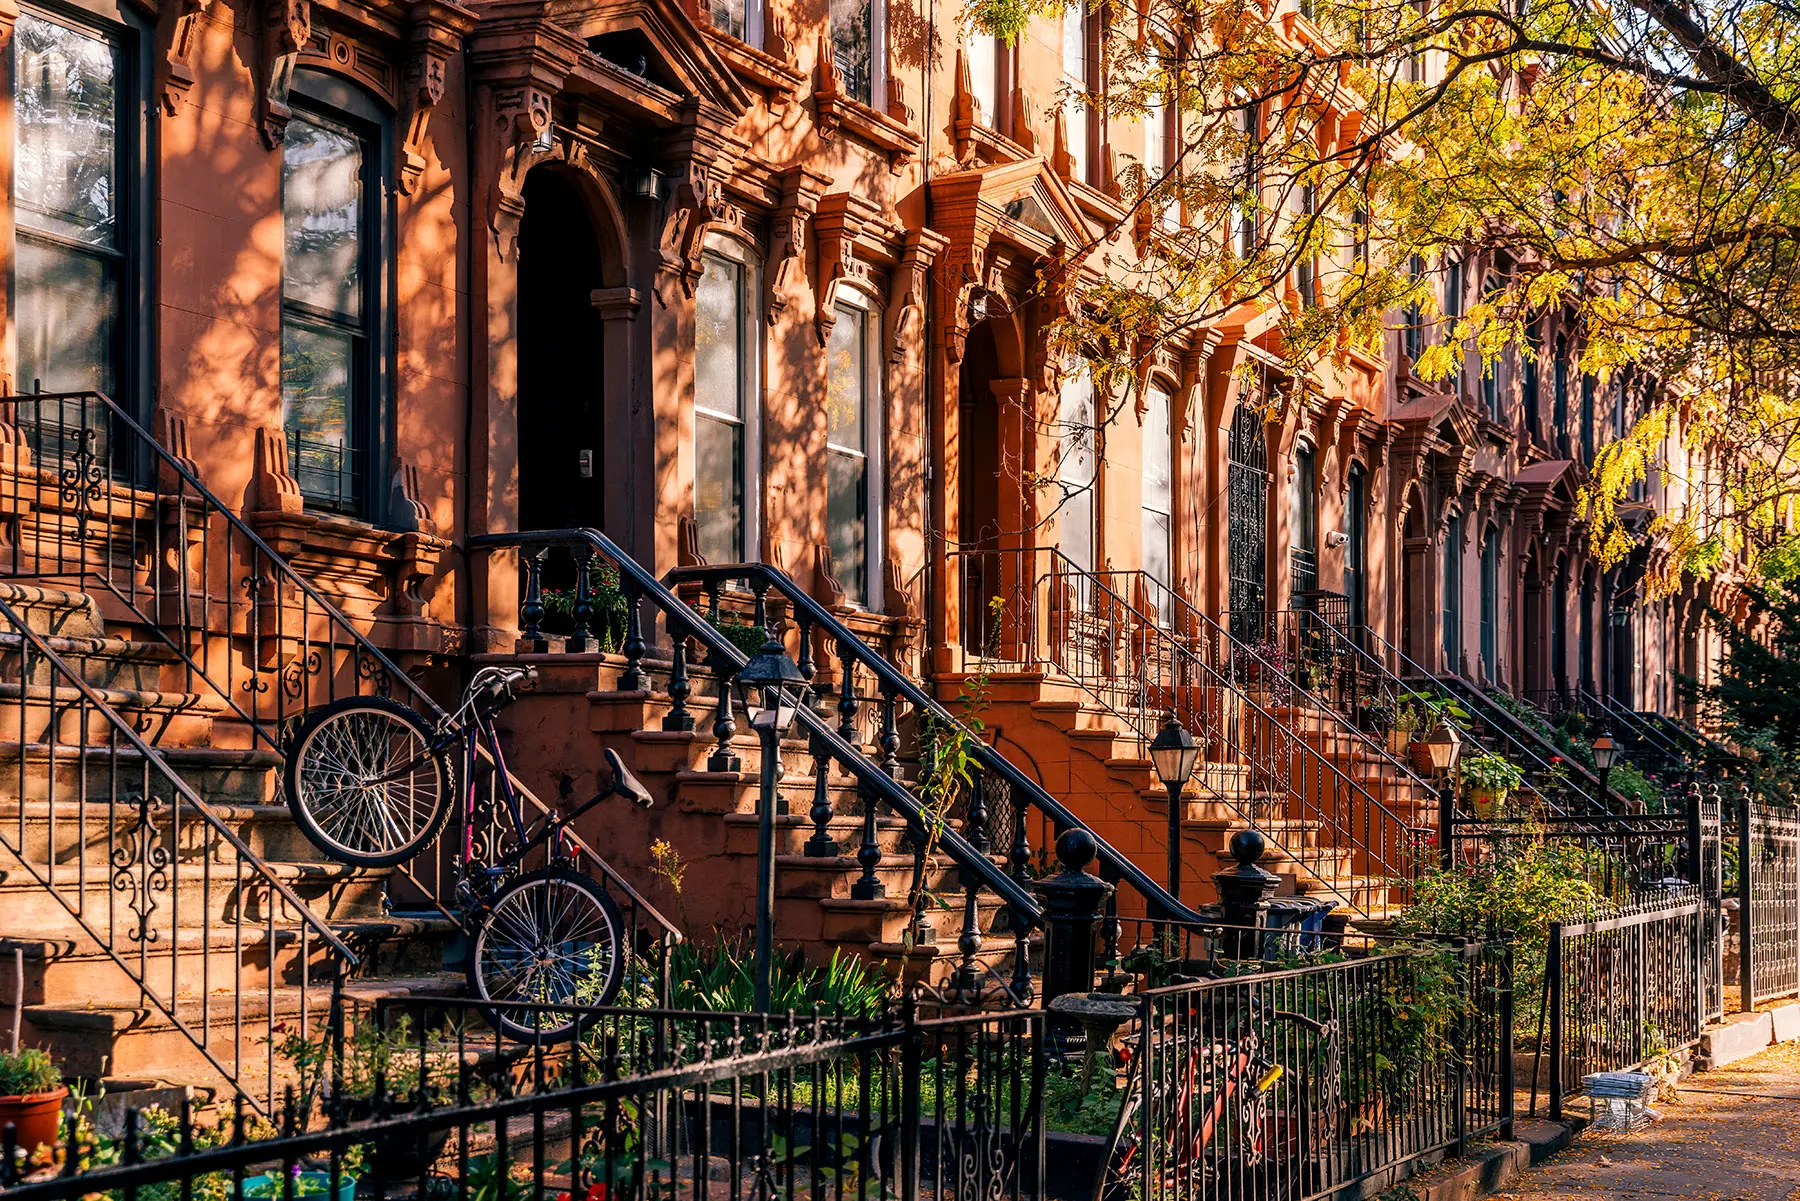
(800, 192)
(179, 33)
(522, 117)
(274, 486)
(698, 201)
(421, 87)
(836, 226)
(286, 28)
(906, 298)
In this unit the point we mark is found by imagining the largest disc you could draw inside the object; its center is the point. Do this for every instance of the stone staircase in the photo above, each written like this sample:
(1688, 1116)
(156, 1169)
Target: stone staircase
(150, 948)
(827, 899)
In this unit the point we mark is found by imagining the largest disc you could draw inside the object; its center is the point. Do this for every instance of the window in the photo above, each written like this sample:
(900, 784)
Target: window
(742, 19)
(725, 403)
(857, 28)
(1159, 498)
(1452, 593)
(1304, 521)
(1588, 385)
(1528, 388)
(1247, 233)
(334, 201)
(1415, 62)
(72, 265)
(1490, 602)
(1453, 292)
(1076, 86)
(852, 436)
(1356, 508)
(1307, 270)
(1493, 376)
(1559, 411)
(1412, 334)
(984, 77)
(1075, 470)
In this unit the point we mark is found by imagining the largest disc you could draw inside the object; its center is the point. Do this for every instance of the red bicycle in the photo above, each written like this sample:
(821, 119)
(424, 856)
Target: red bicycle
(1215, 1127)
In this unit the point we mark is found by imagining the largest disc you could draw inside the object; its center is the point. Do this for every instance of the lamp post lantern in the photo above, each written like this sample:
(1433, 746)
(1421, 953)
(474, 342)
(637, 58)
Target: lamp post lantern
(774, 689)
(1173, 753)
(1606, 753)
(1444, 745)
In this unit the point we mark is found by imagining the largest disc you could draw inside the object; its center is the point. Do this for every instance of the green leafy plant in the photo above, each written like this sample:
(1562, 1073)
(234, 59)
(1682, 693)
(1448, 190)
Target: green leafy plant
(720, 976)
(370, 1053)
(28, 1070)
(607, 599)
(746, 637)
(1489, 773)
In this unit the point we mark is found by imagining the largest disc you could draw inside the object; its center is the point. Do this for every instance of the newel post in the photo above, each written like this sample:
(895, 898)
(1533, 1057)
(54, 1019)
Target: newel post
(1072, 901)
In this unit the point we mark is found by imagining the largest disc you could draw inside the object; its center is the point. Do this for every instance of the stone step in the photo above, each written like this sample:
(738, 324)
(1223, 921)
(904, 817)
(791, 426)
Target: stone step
(41, 712)
(818, 878)
(103, 662)
(50, 610)
(792, 830)
(220, 775)
(193, 892)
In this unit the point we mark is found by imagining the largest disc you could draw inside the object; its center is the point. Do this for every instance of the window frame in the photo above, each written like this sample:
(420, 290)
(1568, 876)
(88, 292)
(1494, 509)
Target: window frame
(877, 94)
(750, 379)
(1450, 605)
(874, 431)
(135, 152)
(1166, 442)
(323, 98)
(1490, 602)
(753, 21)
(1075, 375)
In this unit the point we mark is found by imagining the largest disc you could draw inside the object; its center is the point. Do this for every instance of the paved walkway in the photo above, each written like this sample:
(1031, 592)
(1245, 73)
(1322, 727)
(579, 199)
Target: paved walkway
(1731, 1135)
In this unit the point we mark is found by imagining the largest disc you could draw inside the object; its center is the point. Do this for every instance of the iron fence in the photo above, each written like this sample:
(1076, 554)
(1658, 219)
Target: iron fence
(1767, 851)
(934, 1107)
(1629, 986)
(1297, 1083)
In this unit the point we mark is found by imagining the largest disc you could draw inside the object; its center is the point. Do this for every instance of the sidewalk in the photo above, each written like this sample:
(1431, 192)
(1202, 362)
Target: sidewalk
(1731, 1135)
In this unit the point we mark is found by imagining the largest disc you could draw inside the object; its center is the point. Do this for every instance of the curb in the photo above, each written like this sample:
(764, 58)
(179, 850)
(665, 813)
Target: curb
(1489, 1167)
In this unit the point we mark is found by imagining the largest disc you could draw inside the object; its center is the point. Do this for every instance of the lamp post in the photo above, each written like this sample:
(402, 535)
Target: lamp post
(1444, 745)
(1606, 753)
(1173, 753)
(773, 691)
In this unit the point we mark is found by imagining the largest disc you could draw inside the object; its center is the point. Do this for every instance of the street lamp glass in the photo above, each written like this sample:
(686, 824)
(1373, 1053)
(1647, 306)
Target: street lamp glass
(773, 687)
(1173, 752)
(1606, 752)
(1445, 747)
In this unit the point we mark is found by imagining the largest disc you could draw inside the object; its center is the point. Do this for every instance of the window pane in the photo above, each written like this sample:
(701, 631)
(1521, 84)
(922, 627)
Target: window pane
(719, 489)
(67, 131)
(68, 305)
(728, 17)
(317, 411)
(983, 63)
(847, 521)
(1159, 562)
(1075, 470)
(845, 376)
(1075, 79)
(321, 198)
(852, 36)
(718, 349)
(1158, 452)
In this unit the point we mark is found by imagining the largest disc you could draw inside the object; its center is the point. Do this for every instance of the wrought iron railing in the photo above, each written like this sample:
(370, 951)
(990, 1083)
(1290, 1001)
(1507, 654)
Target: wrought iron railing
(1766, 840)
(878, 775)
(1262, 762)
(1649, 748)
(330, 473)
(100, 506)
(209, 935)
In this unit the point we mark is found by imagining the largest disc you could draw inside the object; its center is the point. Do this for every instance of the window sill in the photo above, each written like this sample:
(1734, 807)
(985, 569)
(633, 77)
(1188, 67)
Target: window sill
(994, 147)
(1096, 204)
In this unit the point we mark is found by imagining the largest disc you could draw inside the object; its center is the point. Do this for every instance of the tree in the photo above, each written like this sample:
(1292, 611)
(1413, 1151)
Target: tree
(1632, 163)
(1756, 695)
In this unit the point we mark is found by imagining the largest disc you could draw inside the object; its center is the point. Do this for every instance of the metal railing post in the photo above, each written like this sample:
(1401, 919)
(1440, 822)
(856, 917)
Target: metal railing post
(1553, 967)
(1746, 891)
(910, 1071)
(1508, 1081)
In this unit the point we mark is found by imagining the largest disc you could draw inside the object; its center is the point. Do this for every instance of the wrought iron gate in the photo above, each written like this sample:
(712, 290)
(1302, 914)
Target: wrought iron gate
(1247, 516)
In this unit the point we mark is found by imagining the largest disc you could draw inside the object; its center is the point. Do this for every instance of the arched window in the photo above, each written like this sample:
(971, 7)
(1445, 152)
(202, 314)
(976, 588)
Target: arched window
(1452, 606)
(727, 403)
(1303, 549)
(1247, 514)
(336, 285)
(80, 235)
(853, 446)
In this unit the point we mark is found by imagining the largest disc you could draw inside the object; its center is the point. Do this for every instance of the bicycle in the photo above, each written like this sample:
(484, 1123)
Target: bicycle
(369, 783)
(1201, 1147)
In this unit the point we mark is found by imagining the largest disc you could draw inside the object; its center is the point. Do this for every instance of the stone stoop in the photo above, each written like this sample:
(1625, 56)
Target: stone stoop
(70, 808)
(705, 810)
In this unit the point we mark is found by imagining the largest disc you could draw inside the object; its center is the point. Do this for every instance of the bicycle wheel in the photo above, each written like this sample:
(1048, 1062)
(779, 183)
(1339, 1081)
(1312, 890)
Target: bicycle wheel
(364, 783)
(550, 938)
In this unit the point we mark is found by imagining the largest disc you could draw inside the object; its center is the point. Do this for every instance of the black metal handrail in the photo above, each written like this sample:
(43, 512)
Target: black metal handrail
(1628, 723)
(1118, 652)
(92, 461)
(150, 866)
(1521, 740)
(688, 623)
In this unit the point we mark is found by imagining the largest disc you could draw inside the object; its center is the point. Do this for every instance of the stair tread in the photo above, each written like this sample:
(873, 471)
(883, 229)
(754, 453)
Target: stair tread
(121, 698)
(97, 646)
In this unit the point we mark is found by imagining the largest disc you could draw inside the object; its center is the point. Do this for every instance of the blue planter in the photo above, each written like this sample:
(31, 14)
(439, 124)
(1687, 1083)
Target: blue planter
(314, 1184)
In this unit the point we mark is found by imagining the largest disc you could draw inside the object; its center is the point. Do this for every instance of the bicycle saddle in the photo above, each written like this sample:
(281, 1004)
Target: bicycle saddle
(625, 784)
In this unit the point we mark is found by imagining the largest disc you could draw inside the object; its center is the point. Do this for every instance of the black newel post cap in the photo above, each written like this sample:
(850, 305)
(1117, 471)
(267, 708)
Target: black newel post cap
(1245, 886)
(1073, 891)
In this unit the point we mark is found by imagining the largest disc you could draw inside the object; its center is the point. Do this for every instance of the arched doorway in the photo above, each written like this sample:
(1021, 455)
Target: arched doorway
(560, 419)
(1247, 520)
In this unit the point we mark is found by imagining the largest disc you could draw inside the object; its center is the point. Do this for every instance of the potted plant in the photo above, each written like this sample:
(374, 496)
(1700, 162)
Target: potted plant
(1375, 716)
(32, 1093)
(1408, 722)
(1490, 779)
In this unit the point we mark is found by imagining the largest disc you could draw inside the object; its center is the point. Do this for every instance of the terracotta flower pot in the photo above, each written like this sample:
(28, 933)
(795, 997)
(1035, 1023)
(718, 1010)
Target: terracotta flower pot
(1421, 756)
(35, 1117)
(1400, 743)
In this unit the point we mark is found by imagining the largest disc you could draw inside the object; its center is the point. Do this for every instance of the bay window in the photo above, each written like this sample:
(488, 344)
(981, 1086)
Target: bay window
(725, 401)
(334, 200)
(852, 449)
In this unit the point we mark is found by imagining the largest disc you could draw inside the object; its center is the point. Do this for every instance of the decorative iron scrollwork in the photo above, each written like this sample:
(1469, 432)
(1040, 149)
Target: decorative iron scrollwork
(295, 672)
(83, 479)
(371, 669)
(141, 868)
